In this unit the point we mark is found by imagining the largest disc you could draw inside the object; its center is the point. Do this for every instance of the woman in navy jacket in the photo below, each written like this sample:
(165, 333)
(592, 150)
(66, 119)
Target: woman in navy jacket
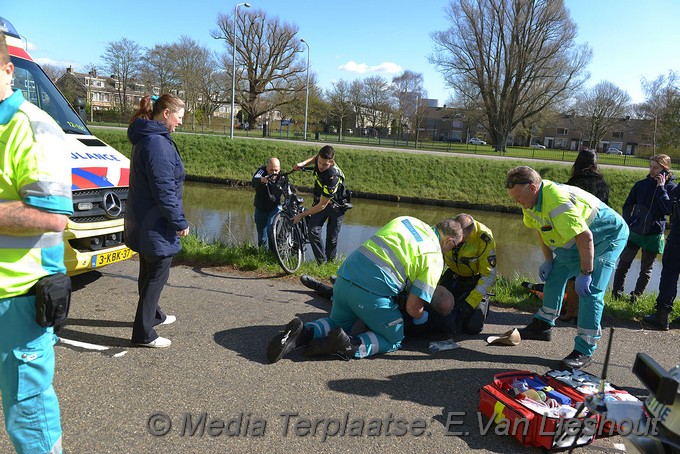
(645, 212)
(154, 217)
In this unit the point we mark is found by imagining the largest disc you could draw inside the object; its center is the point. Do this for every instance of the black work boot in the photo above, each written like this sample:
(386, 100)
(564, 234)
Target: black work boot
(659, 319)
(336, 343)
(537, 330)
(576, 360)
(321, 289)
(294, 335)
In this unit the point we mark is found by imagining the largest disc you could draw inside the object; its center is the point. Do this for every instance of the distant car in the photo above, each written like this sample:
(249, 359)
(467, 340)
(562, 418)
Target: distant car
(476, 141)
(613, 151)
(537, 145)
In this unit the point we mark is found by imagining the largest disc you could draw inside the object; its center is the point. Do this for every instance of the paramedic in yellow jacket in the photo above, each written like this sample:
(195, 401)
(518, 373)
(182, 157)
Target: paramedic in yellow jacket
(403, 256)
(579, 236)
(471, 275)
(35, 202)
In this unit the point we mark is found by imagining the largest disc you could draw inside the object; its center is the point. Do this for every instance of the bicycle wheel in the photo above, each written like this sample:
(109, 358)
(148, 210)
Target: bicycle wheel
(285, 243)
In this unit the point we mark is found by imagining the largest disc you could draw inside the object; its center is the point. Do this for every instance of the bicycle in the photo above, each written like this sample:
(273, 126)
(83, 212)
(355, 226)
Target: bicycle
(288, 240)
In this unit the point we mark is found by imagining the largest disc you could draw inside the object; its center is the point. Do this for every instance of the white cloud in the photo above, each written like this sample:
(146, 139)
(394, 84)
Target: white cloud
(56, 63)
(362, 68)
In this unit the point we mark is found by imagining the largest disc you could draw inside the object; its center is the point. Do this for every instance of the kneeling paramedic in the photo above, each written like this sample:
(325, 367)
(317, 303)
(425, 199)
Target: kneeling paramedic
(406, 254)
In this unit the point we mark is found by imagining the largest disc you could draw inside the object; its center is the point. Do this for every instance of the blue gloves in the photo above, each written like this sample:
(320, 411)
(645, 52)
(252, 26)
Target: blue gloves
(582, 284)
(421, 320)
(544, 270)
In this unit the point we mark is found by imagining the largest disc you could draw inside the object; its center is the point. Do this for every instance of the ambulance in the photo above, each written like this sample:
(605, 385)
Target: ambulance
(100, 175)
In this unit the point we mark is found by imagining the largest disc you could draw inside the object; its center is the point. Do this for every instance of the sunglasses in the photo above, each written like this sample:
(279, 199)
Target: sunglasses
(511, 184)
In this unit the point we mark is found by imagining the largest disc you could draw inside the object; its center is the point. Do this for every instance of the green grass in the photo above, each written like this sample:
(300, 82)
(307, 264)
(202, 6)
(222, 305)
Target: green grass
(449, 179)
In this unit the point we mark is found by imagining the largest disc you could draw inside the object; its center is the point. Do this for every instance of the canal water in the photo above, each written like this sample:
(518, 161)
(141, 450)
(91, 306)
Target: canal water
(218, 212)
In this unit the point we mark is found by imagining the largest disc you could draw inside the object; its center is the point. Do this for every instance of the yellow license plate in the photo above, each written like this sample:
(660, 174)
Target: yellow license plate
(111, 257)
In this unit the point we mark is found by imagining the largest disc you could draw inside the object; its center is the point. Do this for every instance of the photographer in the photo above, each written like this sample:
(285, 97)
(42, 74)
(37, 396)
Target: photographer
(267, 198)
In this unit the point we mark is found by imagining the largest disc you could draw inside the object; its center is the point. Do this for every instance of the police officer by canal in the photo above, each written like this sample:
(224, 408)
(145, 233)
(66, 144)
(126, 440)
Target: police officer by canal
(330, 204)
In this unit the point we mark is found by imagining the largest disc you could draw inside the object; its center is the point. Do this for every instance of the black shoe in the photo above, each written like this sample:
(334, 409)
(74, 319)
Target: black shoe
(285, 342)
(634, 297)
(617, 294)
(336, 343)
(309, 282)
(333, 278)
(659, 320)
(576, 360)
(537, 330)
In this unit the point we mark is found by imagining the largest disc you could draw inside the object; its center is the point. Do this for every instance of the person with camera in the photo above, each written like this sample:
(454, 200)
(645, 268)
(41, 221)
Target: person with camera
(267, 198)
(330, 204)
(35, 202)
(645, 211)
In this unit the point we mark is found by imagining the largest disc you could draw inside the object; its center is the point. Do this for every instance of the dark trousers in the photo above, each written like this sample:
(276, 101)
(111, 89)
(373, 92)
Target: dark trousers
(668, 285)
(334, 217)
(153, 274)
(625, 260)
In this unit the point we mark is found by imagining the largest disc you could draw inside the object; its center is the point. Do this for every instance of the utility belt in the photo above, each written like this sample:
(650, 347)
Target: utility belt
(52, 299)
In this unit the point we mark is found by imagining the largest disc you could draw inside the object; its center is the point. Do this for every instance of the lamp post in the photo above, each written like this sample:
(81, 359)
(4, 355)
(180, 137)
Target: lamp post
(307, 89)
(233, 70)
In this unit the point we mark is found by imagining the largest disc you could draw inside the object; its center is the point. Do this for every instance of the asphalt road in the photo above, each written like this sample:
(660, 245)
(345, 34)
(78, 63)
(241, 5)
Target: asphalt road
(216, 369)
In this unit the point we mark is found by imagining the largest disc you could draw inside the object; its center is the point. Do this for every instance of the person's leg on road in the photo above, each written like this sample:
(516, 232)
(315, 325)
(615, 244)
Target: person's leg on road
(29, 402)
(148, 312)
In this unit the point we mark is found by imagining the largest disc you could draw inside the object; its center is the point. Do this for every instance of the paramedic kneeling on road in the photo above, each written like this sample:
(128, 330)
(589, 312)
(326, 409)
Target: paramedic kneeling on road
(580, 236)
(404, 255)
(35, 201)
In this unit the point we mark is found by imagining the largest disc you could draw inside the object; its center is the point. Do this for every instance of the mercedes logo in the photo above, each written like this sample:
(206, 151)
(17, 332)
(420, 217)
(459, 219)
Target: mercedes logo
(112, 205)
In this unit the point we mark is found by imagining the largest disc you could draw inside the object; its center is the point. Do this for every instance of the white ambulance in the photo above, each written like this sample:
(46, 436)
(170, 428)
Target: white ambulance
(100, 174)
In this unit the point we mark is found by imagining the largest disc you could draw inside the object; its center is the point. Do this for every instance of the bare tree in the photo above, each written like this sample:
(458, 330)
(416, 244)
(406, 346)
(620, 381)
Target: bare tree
(356, 99)
(267, 52)
(662, 104)
(191, 61)
(519, 54)
(54, 72)
(407, 89)
(599, 109)
(124, 59)
(377, 102)
(159, 70)
(339, 102)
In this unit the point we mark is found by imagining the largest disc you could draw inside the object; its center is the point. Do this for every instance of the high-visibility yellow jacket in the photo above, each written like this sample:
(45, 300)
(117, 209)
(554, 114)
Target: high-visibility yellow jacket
(561, 213)
(36, 169)
(475, 257)
(405, 254)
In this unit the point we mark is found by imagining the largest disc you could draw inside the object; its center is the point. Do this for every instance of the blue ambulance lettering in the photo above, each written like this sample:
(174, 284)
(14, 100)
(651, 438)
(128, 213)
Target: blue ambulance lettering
(414, 232)
(96, 156)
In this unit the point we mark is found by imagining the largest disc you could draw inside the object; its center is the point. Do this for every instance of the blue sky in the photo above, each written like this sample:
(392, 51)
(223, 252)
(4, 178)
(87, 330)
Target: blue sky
(348, 39)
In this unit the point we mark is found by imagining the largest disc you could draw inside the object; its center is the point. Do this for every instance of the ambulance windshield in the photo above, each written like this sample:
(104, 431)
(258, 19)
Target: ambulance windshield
(39, 90)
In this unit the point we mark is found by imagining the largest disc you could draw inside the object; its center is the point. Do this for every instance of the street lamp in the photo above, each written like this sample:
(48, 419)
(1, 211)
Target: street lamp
(233, 70)
(307, 89)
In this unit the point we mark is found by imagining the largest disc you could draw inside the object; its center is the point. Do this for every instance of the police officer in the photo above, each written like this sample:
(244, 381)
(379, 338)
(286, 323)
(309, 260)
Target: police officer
(35, 202)
(328, 194)
(470, 275)
(406, 254)
(267, 197)
(580, 236)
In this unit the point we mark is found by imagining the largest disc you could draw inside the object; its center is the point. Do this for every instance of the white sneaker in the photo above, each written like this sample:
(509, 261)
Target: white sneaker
(169, 319)
(159, 342)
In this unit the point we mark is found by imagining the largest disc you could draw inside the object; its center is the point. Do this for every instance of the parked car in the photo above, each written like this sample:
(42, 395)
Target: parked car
(613, 151)
(537, 145)
(476, 141)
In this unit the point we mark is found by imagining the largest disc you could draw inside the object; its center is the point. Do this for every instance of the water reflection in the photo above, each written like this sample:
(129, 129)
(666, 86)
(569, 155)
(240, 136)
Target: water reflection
(224, 213)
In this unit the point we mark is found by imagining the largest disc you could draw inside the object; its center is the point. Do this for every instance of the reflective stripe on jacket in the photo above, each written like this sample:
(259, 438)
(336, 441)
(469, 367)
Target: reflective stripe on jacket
(561, 213)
